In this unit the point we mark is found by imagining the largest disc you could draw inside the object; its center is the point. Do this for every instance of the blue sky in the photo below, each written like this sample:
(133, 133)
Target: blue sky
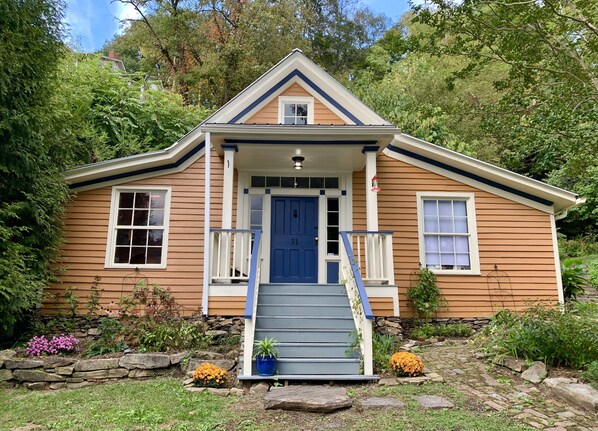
(93, 22)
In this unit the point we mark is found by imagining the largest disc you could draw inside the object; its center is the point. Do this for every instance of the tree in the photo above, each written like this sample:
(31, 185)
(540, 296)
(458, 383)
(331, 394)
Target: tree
(31, 156)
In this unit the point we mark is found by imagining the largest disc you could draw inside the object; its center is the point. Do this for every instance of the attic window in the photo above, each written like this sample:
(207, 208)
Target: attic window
(295, 110)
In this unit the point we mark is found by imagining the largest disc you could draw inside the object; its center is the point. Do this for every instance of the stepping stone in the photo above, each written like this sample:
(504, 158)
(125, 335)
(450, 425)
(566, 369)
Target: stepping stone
(381, 403)
(434, 402)
(536, 373)
(318, 399)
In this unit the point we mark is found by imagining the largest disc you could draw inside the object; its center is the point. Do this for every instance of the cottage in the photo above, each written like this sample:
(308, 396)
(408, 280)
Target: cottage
(299, 208)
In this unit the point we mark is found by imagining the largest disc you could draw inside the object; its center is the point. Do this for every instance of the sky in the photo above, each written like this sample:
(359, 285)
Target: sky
(91, 23)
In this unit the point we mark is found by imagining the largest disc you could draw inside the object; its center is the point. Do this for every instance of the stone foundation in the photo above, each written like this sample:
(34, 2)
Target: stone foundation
(397, 326)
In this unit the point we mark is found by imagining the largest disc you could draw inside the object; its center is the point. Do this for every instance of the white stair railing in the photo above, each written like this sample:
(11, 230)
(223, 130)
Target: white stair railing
(374, 256)
(231, 254)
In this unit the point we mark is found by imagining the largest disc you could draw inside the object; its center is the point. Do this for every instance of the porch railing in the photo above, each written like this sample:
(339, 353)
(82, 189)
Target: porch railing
(374, 255)
(360, 304)
(231, 254)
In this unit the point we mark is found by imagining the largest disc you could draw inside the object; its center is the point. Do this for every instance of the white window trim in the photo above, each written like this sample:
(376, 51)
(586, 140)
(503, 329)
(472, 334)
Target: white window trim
(111, 246)
(283, 100)
(474, 254)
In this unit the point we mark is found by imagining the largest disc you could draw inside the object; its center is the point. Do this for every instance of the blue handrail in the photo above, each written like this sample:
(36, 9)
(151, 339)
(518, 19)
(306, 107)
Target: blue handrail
(252, 274)
(363, 296)
(362, 232)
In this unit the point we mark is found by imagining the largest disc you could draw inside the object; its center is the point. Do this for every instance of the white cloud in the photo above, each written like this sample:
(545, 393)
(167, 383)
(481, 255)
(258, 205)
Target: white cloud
(78, 19)
(123, 12)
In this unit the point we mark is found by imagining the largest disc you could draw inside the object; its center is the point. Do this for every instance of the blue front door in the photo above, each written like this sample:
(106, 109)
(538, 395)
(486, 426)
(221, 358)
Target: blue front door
(294, 255)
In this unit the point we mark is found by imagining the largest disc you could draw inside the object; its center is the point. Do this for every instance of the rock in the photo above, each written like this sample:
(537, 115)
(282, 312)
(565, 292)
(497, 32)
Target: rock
(137, 374)
(435, 377)
(317, 399)
(237, 392)
(511, 363)
(57, 361)
(23, 364)
(219, 392)
(96, 364)
(114, 373)
(412, 380)
(433, 402)
(5, 375)
(535, 373)
(579, 394)
(145, 361)
(79, 385)
(65, 371)
(196, 389)
(261, 388)
(94, 332)
(381, 402)
(7, 354)
(216, 333)
(225, 364)
(36, 386)
(36, 376)
(58, 385)
(176, 358)
(29, 427)
(232, 354)
(187, 382)
(388, 382)
(205, 354)
(408, 346)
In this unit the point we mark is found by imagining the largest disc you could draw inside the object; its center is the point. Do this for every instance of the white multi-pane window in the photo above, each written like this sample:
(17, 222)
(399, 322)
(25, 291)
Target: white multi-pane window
(296, 110)
(138, 228)
(447, 233)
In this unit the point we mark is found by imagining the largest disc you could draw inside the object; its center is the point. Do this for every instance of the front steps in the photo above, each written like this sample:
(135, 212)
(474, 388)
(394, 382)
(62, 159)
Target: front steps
(315, 330)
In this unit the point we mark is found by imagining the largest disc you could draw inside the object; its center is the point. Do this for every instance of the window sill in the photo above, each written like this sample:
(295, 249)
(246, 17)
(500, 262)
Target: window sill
(116, 266)
(454, 272)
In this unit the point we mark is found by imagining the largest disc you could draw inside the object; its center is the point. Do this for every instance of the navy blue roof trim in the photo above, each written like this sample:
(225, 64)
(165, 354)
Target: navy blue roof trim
(370, 148)
(309, 82)
(291, 142)
(230, 147)
(176, 164)
(470, 175)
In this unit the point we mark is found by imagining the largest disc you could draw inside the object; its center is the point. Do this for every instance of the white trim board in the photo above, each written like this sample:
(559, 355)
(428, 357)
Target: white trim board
(385, 292)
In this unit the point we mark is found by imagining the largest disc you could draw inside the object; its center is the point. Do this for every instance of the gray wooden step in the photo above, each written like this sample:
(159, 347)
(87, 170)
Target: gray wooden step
(313, 377)
(304, 322)
(311, 366)
(316, 350)
(306, 289)
(282, 298)
(303, 310)
(307, 335)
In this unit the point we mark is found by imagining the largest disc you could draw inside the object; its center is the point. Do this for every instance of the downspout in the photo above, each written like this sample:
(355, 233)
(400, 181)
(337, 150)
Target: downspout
(206, 231)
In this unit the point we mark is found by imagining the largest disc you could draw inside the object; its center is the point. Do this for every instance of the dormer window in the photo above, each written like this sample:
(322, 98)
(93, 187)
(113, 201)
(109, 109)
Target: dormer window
(295, 110)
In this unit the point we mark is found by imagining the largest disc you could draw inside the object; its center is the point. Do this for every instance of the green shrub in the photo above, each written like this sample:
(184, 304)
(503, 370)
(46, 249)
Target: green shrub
(164, 336)
(573, 277)
(383, 347)
(111, 339)
(590, 375)
(429, 330)
(578, 247)
(425, 296)
(593, 273)
(544, 334)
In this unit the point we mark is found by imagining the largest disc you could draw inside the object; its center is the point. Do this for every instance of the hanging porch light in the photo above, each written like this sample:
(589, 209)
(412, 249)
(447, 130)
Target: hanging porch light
(298, 160)
(375, 187)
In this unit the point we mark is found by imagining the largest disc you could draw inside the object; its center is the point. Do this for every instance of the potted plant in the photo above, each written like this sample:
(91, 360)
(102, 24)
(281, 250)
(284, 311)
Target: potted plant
(265, 354)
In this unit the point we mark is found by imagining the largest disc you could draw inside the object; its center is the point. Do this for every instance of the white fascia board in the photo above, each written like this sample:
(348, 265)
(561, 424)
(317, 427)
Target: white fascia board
(562, 199)
(141, 161)
(302, 130)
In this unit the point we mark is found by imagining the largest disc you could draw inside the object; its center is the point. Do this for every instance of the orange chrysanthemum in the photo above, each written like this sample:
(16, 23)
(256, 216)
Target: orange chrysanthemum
(406, 364)
(209, 375)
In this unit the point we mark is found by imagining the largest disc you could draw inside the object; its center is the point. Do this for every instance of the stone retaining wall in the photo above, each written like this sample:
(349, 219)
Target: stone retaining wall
(58, 372)
(398, 326)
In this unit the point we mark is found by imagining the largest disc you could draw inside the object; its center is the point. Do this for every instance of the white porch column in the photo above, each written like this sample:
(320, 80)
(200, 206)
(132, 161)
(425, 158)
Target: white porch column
(371, 198)
(206, 231)
(227, 192)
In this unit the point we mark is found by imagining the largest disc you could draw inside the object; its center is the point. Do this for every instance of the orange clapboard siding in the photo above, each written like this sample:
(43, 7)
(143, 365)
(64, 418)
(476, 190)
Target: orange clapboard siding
(511, 235)
(269, 113)
(86, 231)
(227, 305)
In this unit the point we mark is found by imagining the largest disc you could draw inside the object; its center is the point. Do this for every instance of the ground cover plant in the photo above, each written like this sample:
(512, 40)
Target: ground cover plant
(429, 330)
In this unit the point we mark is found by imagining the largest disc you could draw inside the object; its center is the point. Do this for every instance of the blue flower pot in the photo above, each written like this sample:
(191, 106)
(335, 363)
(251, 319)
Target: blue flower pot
(266, 366)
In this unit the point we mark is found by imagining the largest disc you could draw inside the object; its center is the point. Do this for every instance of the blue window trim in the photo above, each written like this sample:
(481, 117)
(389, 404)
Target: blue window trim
(120, 176)
(470, 175)
(309, 82)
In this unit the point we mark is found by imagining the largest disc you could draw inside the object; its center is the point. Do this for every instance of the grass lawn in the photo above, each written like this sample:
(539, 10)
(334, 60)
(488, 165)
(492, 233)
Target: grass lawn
(165, 405)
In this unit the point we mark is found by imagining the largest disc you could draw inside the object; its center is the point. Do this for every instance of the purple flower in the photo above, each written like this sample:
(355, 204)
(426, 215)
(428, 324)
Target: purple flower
(59, 344)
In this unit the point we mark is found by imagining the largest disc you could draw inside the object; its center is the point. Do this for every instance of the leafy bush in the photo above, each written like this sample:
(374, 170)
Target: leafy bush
(593, 273)
(383, 347)
(578, 247)
(210, 376)
(429, 330)
(590, 375)
(163, 336)
(544, 334)
(153, 301)
(38, 346)
(406, 364)
(425, 296)
(111, 339)
(574, 281)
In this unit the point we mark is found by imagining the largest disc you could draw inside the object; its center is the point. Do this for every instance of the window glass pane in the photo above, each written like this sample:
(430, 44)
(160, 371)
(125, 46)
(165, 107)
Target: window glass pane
(258, 181)
(446, 225)
(332, 247)
(156, 218)
(126, 200)
(447, 244)
(333, 219)
(333, 233)
(316, 183)
(289, 120)
(154, 255)
(123, 236)
(460, 208)
(289, 110)
(331, 183)
(445, 208)
(301, 120)
(155, 237)
(461, 224)
(333, 204)
(124, 217)
(463, 261)
(430, 224)
(288, 182)
(432, 243)
(302, 182)
(256, 203)
(158, 199)
(432, 259)
(140, 218)
(256, 218)
(430, 208)
(141, 200)
(301, 110)
(447, 261)
(272, 181)
(121, 255)
(137, 255)
(462, 244)
(139, 237)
